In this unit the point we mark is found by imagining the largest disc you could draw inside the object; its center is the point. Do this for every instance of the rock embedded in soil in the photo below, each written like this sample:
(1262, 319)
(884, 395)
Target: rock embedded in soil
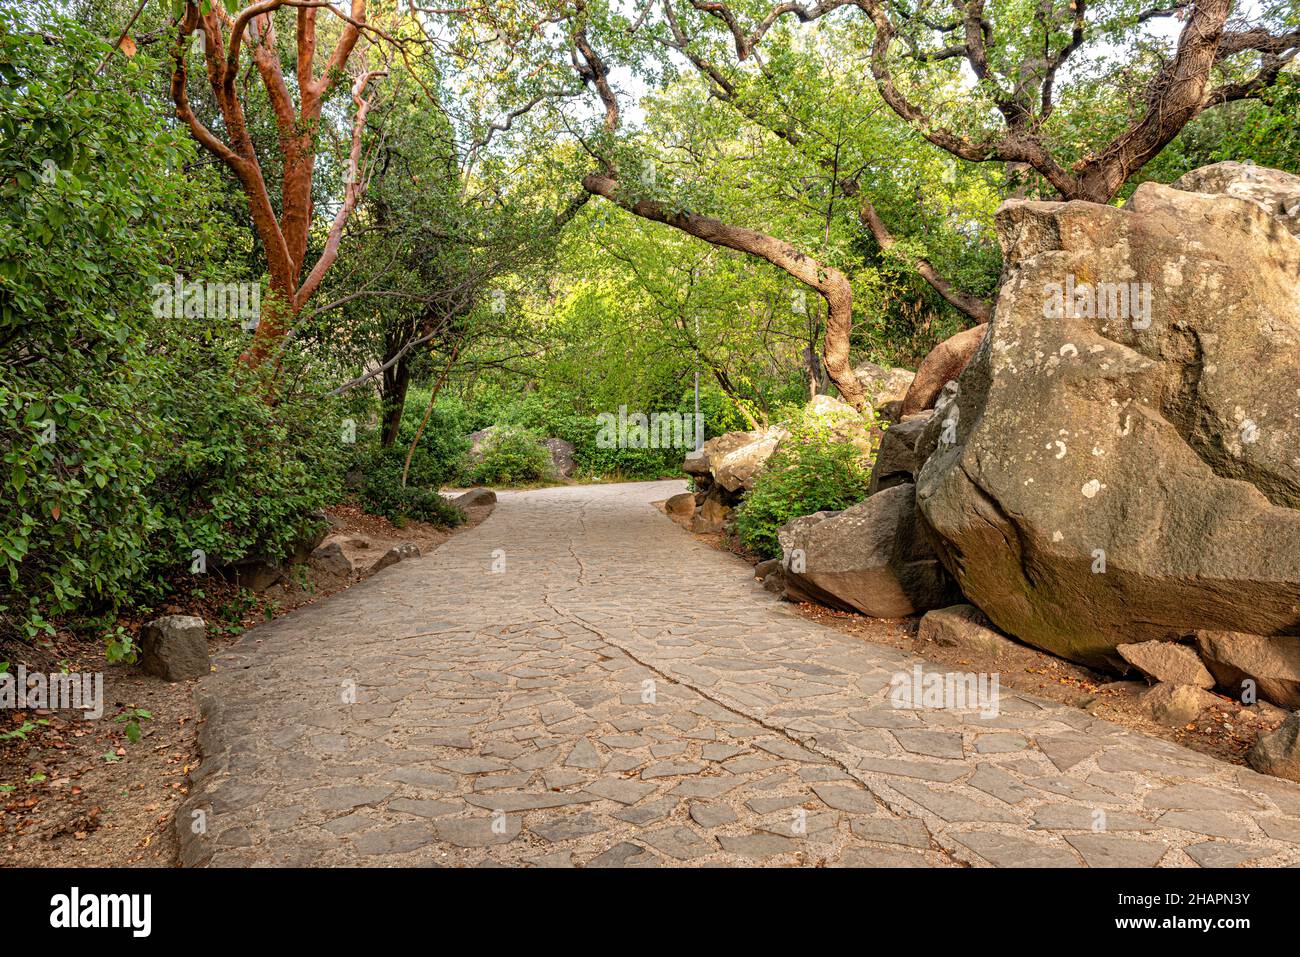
(965, 626)
(329, 558)
(396, 554)
(1176, 705)
(1278, 752)
(681, 508)
(1168, 662)
(175, 647)
(1272, 663)
(474, 498)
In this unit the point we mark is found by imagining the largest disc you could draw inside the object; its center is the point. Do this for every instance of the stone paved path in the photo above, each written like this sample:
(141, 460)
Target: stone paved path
(618, 694)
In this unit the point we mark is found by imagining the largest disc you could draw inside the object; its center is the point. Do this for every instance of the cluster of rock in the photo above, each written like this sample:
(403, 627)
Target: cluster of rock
(561, 452)
(1115, 476)
(725, 467)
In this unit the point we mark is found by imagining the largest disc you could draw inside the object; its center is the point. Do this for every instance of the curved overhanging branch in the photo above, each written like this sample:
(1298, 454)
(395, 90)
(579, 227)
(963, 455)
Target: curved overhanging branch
(976, 308)
(831, 284)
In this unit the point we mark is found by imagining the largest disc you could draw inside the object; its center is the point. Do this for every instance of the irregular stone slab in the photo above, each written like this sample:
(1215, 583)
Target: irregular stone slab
(481, 831)
(425, 808)
(679, 842)
(779, 802)
(398, 839)
(424, 779)
(846, 797)
(889, 830)
(757, 845)
(925, 770)
(788, 749)
(625, 854)
(1198, 797)
(1065, 751)
(671, 769)
(1213, 823)
(349, 796)
(1001, 784)
(472, 765)
(523, 801)
(880, 857)
(934, 744)
(1168, 662)
(620, 789)
(1220, 854)
(583, 755)
(1104, 850)
(1000, 743)
(643, 814)
(952, 806)
(712, 786)
(712, 815)
(1003, 850)
(1074, 817)
(1280, 828)
(568, 826)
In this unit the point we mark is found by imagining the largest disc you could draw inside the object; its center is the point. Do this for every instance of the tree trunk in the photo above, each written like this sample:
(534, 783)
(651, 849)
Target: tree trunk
(396, 382)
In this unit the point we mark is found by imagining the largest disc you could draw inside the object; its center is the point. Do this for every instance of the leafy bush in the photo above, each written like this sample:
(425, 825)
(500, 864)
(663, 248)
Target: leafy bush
(813, 470)
(89, 207)
(511, 455)
(384, 495)
(237, 475)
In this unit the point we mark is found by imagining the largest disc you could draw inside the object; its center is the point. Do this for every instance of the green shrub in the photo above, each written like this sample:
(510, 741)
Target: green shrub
(384, 495)
(237, 475)
(433, 462)
(90, 205)
(511, 456)
(812, 471)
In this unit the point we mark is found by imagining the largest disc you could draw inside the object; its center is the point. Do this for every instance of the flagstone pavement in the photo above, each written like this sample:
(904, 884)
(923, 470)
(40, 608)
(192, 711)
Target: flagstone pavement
(578, 682)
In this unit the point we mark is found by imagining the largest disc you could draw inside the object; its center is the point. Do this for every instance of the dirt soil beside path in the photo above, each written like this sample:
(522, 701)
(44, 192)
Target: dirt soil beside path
(1226, 731)
(76, 792)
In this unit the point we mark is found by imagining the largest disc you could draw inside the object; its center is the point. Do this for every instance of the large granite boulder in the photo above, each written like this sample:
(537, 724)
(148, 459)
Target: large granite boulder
(871, 557)
(1275, 192)
(896, 460)
(561, 452)
(720, 446)
(843, 423)
(737, 469)
(1118, 463)
(885, 387)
